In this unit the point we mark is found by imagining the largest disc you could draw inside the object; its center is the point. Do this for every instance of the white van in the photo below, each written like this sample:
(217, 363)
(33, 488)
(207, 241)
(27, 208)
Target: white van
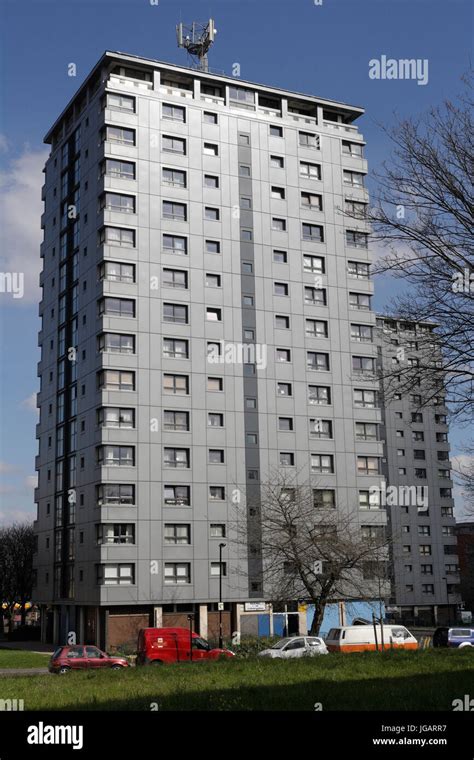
(361, 638)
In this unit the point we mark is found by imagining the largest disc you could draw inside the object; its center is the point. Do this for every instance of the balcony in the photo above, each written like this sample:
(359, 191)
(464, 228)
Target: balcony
(116, 81)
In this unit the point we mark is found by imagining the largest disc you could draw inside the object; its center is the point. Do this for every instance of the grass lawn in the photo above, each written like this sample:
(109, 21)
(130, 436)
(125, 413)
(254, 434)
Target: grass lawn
(426, 680)
(12, 658)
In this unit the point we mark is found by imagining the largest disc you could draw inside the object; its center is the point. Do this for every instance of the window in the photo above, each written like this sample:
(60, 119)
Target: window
(177, 313)
(211, 181)
(174, 145)
(353, 179)
(116, 533)
(358, 269)
(242, 97)
(213, 246)
(285, 423)
(369, 500)
(419, 454)
(367, 465)
(177, 573)
(177, 495)
(116, 380)
(352, 149)
(366, 431)
(211, 214)
(324, 498)
(176, 211)
(313, 264)
(246, 234)
(355, 209)
(177, 384)
(284, 389)
(317, 361)
(424, 530)
(310, 171)
(119, 135)
(316, 328)
(277, 162)
(215, 383)
(217, 530)
(362, 333)
(210, 149)
(116, 575)
(418, 435)
(176, 533)
(116, 417)
(283, 355)
(116, 456)
(363, 365)
(117, 202)
(320, 428)
(278, 193)
(174, 177)
(280, 288)
(117, 272)
(308, 140)
(315, 296)
(322, 463)
(287, 459)
(173, 457)
(172, 112)
(373, 532)
(215, 419)
(175, 420)
(280, 257)
(119, 169)
(282, 322)
(247, 267)
(117, 343)
(357, 239)
(117, 236)
(319, 394)
(216, 456)
(275, 131)
(115, 494)
(175, 244)
(117, 307)
(359, 301)
(213, 314)
(279, 225)
(216, 493)
(209, 117)
(218, 568)
(118, 102)
(312, 201)
(174, 278)
(213, 280)
(312, 233)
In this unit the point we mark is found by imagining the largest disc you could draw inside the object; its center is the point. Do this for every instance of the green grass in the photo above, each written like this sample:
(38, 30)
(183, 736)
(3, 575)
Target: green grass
(12, 658)
(426, 680)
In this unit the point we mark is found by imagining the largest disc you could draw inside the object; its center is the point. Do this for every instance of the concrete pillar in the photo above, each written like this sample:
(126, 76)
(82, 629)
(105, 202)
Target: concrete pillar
(156, 80)
(239, 608)
(270, 610)
(302, 623)
(284, 108)
(158, 617)
(197, 89)
(435, 614)
(203, 620)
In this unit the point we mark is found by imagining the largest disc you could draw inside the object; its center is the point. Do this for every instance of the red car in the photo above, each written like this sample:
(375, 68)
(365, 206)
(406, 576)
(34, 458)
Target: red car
(80, 657)
(158, 645)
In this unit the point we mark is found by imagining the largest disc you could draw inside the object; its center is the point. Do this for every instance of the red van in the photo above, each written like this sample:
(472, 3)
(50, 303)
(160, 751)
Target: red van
(158, 645)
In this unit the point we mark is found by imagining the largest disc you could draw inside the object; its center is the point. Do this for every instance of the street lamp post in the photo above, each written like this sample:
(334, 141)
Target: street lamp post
(221, 546)
(191, 620)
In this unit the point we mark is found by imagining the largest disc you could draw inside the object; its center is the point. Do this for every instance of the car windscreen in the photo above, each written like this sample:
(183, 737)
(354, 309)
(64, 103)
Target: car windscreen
(57, 652)
(281, 644)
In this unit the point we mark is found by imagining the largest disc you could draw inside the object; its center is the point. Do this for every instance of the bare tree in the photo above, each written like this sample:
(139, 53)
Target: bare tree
(423, 214)
(311, 550)
(17, 545)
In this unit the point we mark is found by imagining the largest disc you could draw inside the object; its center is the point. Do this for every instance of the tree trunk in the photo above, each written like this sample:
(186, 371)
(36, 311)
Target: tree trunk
(23, 613)
(319, 608)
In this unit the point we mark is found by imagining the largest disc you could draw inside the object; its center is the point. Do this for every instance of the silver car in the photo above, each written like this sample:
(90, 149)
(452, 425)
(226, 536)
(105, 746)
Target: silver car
(296, 646)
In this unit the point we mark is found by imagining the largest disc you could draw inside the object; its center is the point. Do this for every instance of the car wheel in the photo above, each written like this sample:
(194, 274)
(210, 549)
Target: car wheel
(64, 669)
(466, 644)
(156, 662)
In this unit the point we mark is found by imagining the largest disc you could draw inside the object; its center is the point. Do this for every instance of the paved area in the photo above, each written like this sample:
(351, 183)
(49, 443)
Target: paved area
(28, 646)
(5, 672)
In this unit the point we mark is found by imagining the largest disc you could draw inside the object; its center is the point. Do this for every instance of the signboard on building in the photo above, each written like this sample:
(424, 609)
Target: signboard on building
(254, 606)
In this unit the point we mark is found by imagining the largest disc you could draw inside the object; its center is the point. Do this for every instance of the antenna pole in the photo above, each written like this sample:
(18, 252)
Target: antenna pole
(197, 40)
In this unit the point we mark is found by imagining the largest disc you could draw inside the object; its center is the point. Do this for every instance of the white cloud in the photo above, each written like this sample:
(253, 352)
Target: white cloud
(31, 481)
(21, 208)
(29, 403)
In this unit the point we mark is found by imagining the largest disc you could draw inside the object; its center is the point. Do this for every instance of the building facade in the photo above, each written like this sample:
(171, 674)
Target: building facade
(206, 309)
(418, 496)
(465, 539)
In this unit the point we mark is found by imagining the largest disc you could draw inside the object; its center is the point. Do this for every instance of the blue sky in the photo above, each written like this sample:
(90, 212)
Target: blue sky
(296, 44)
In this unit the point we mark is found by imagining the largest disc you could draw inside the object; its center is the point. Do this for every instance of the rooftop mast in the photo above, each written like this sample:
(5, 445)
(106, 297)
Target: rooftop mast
(197, 39)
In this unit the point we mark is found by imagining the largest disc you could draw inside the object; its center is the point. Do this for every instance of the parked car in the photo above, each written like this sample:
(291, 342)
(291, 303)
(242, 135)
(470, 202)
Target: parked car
(159, 645)
(296, 646)
(361, 638)
(84, 657)
(459, 638)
